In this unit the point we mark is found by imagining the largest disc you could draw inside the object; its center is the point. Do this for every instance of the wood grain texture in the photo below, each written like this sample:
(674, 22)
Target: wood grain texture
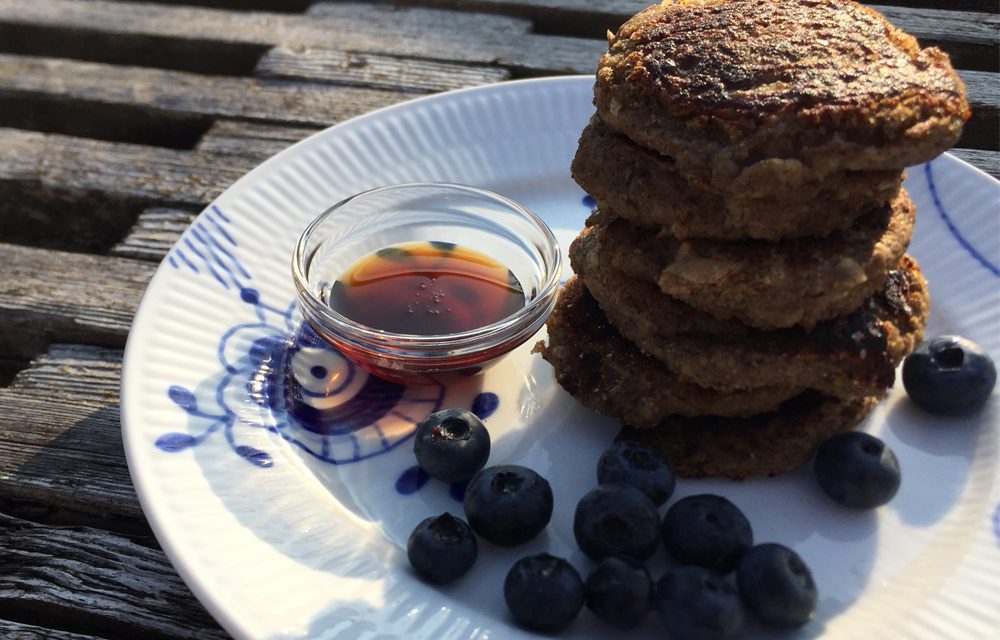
(431, 34)
(154, 232)
(97, 583)
(373, 70)
(60, 441)
(70, 296)
(19, 631)
(79, 166)
(931, 23)
(251, 139)
(987, 161)
(185, 93)
(86, 372)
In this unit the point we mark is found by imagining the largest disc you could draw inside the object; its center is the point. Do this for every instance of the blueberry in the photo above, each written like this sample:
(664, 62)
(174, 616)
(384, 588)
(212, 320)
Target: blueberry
(708, 531)
(508, 504)
(451, 445)
(857, 470)
(777, 586)
(616, 520)
(619, 592)
(638, 465)
(695, 603)
(543, 592)
(949, 375)
(442, 548)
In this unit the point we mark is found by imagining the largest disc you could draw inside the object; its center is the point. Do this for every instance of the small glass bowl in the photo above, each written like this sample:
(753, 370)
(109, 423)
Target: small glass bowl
(466, 216)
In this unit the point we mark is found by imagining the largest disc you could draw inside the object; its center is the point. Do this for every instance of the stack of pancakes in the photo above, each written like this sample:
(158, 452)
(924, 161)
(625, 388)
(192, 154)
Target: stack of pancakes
(742, 291)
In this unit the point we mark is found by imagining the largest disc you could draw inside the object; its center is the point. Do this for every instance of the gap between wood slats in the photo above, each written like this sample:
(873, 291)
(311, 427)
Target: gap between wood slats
(9, 367)
(66, 114)
(71, 193)
(200, 55)
(276, 6)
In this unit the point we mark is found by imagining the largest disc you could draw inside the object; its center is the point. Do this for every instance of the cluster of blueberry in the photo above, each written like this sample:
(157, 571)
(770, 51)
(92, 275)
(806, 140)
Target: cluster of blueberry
(618, 526)
(718, 575)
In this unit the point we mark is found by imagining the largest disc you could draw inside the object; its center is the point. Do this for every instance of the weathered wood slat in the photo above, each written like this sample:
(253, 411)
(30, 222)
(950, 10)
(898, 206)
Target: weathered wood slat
(65, 478)
(187, 93)
(978, 27)
(430, 33)
(60, 440)
(18, 631)
(988, 161)
(372, 70)
(940, 25)
(66, 192)
(97, 583)
(64, 451)
(154, 232)
(936, 24)
(87, 372)
(251, 139)
(983, 88)
(70, 296)
(65, 163)
(360, 28)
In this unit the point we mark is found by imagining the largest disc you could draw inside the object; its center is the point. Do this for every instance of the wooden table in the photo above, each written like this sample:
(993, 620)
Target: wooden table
(119, 122)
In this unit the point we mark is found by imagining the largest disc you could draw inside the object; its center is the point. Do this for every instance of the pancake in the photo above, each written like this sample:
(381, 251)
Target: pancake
(743, 93)
(609, 374)
(766, 444)
(768, 285)
(645, 187)
(850, 356)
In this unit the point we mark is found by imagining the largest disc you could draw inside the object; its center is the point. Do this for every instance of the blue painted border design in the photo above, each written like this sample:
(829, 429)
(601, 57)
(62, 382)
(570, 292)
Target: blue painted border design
(980, 258)
(996, 524)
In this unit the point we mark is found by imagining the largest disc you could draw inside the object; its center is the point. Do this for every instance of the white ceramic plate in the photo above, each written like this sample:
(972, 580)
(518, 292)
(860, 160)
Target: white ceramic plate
(288, 526)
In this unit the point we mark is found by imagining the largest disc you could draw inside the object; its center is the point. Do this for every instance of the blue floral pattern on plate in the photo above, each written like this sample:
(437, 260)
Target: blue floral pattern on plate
(277, 374)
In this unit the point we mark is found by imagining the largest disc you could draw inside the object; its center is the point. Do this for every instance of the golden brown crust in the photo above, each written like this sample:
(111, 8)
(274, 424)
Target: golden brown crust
(767, 444)
(727, 86)
(769, 285)
(850, 356)
(645, 187)
(611, 376)
(607, 374)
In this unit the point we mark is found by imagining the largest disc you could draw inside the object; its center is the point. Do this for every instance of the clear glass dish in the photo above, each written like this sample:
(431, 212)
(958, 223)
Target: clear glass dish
(433, 212)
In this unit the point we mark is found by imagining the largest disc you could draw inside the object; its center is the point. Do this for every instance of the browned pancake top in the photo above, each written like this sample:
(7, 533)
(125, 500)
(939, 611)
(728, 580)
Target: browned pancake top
(746, 62)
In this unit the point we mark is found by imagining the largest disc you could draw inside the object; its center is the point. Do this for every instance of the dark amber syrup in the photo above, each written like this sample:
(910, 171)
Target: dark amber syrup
(426, 288)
